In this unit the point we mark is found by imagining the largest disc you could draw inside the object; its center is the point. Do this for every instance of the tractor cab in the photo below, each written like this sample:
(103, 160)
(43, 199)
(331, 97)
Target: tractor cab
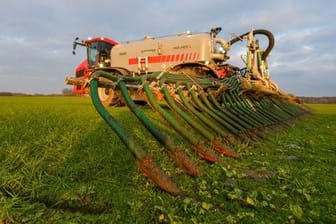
(98, 51)
(98, 56)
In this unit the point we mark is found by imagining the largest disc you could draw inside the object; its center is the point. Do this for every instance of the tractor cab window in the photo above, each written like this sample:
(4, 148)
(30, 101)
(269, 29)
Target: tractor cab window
(92, 55)
(99, 53)
(219, 49)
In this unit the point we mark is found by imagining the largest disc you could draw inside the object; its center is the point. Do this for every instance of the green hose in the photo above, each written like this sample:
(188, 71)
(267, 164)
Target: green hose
(135, 149)
(197, 145)
(181, 159)
(158, 134)
(223, 115)
(207, 121)
(212, 114)
(242, 120)
(215, 142)
(195, 124)
(143, 160)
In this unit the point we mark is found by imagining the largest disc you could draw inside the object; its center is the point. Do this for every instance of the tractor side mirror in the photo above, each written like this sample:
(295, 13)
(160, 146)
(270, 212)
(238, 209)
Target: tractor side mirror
(74, 45)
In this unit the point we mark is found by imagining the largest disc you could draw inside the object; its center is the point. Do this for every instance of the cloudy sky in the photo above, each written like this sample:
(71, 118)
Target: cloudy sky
(36, 36)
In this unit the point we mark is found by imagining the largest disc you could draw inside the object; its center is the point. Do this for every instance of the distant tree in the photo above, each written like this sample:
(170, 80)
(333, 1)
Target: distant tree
(67, 92)
(6, 94)
(323, 100)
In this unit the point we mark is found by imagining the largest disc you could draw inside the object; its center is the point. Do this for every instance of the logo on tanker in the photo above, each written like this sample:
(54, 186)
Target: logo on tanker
(178, 47)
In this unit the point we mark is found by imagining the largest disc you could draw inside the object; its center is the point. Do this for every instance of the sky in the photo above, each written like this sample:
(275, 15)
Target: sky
(36, 36)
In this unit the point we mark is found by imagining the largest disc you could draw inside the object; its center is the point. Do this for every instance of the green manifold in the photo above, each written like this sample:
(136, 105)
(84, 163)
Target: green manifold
(220, 113)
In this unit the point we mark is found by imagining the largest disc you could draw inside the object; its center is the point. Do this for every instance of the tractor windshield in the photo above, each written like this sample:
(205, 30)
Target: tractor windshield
(219, 48)
(98, 54)
(92, 54)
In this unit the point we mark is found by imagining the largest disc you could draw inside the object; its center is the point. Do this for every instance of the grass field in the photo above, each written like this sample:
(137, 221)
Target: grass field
(60, 163)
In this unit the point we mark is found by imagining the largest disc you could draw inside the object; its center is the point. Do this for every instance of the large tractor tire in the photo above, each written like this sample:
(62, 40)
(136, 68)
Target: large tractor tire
(108, 96)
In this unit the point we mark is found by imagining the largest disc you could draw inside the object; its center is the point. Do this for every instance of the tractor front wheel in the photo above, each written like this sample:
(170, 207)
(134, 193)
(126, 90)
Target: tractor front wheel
(108, 96)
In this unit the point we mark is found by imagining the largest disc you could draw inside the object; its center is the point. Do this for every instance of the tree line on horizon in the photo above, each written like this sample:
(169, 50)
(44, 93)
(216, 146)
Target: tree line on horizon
(318, 100)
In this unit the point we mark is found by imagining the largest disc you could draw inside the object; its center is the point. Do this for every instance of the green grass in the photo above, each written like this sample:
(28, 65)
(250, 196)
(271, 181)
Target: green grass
(60, 163)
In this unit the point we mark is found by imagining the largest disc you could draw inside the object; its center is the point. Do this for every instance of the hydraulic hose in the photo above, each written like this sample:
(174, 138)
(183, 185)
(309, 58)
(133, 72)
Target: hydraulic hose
(267, 33)
(215, 142)
(212, 114)
(222, 114)
(196, 125)
(242, 120)
(142, 159)
(197, 145)
(176, 152)
(136, 150)
(208, 121)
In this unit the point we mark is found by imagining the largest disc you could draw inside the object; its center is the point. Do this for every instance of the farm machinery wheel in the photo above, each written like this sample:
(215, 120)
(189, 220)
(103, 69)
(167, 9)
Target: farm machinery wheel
(108, 96)
(194, 69)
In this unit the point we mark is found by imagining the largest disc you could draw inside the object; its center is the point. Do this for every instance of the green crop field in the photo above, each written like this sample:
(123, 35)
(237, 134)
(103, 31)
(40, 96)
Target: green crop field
(61, 163)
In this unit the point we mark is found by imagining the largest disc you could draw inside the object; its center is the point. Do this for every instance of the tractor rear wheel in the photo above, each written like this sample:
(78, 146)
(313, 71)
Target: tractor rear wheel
(195, 70)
